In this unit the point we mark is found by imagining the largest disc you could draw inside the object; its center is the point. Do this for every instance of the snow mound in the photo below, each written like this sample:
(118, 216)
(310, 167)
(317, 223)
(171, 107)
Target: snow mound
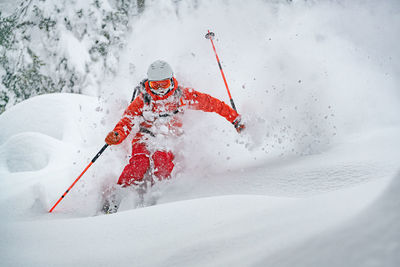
(44, 143)
(25, 152)
(50, 115)
(42, 114)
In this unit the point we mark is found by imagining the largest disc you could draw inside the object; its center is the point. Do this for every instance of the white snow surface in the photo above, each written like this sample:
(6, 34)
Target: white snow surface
(313, 181)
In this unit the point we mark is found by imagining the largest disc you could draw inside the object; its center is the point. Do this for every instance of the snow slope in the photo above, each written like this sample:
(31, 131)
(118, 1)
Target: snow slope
(312, 182)
(231, 220)
(372, 238)
(234, 230)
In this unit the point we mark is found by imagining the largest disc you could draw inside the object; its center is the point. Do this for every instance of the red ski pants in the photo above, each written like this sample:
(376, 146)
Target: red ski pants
(140, 163)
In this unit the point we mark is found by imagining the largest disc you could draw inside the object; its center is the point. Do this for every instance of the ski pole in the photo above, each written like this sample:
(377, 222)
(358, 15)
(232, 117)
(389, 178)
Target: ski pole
(211, 35)
(79, 177)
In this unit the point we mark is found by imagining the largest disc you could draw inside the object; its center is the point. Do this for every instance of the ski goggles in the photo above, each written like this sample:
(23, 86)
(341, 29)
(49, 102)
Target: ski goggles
(160, 84)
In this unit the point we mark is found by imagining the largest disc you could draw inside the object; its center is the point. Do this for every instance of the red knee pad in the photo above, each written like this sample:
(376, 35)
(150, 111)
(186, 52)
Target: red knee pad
(163, 164)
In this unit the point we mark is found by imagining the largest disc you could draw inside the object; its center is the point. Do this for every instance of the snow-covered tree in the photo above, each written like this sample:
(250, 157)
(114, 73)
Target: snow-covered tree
(61, 46)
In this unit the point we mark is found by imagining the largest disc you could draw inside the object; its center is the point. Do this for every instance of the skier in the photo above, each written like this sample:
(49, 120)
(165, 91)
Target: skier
(157, 111)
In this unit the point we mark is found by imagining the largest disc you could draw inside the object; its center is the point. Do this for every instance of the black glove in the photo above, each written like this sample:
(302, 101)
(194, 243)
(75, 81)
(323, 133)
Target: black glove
(239, 126)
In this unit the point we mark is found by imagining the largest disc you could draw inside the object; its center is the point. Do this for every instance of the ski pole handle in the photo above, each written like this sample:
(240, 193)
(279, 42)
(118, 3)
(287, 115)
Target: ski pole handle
(79, 177)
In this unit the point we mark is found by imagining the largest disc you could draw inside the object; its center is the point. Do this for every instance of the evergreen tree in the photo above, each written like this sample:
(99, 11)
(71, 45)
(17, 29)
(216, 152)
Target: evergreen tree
(51, 46)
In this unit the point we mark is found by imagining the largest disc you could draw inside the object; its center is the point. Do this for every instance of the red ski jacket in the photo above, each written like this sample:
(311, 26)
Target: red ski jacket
(151, 108)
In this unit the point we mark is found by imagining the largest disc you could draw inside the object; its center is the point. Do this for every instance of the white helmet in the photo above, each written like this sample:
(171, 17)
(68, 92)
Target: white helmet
(159, 70)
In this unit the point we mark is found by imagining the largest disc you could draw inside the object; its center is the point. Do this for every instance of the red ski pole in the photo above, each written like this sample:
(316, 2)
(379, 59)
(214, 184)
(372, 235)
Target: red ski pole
(79, 177)
(211, 35)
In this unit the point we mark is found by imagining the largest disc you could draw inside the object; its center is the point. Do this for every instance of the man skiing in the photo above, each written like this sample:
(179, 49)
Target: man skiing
(156, 112)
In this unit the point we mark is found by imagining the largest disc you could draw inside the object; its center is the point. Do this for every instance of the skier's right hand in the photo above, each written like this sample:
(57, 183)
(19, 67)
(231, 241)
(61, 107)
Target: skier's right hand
(113, 138)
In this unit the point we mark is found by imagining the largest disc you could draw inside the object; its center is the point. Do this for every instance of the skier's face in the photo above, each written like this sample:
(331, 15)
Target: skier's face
(160, 87)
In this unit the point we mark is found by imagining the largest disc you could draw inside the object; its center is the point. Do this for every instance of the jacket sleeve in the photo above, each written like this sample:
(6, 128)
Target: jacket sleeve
(124, 126)
(207, 103)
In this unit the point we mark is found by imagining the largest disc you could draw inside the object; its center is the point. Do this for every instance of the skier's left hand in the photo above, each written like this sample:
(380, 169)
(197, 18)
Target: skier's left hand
(239, 126)
(113, 138)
